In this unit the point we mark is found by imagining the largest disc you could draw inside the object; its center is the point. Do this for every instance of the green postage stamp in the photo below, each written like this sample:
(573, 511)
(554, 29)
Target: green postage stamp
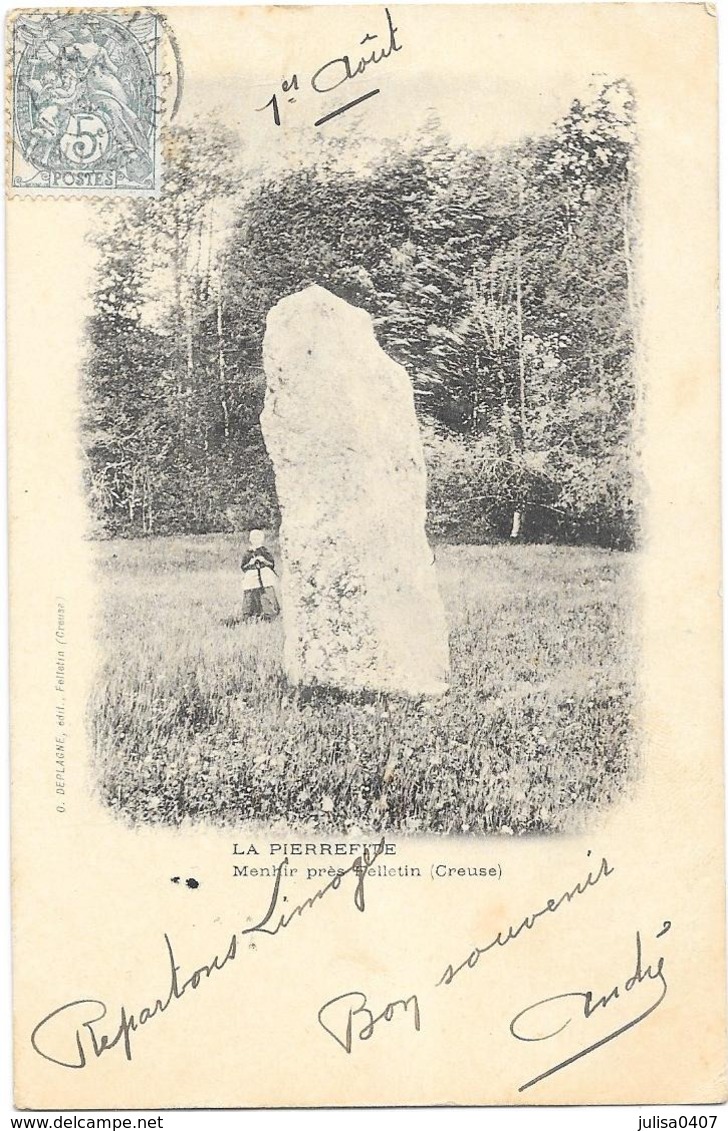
(85, 102)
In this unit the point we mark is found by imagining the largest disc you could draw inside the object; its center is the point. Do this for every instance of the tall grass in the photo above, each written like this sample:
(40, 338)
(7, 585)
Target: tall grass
(192, 718)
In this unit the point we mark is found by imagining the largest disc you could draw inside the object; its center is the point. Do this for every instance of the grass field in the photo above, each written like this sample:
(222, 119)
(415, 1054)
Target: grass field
(192, 718)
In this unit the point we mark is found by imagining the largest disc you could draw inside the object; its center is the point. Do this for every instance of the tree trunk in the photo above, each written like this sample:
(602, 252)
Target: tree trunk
(179, 335)
(150, 502)
(507, 416)
(628, 252)
(131, 501)
(519, 318)
(190, 358)
(178, 309)
(221, 364)
(516, 525)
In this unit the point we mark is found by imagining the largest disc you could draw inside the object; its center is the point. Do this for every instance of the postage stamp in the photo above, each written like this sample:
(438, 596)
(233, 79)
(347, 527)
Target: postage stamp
(85, 98)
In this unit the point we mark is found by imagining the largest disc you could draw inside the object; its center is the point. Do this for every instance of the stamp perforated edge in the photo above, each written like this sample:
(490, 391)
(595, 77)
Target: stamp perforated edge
(168, 74)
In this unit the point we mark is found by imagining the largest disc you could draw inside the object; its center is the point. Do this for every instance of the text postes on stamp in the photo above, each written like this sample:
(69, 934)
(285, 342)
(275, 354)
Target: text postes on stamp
(85, 102)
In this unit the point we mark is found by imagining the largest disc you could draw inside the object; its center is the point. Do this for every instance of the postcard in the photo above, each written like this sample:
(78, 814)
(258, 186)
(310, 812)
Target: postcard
(365, 574)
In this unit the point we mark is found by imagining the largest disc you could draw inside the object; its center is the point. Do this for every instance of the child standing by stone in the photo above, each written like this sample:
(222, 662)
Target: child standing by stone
(258, 566)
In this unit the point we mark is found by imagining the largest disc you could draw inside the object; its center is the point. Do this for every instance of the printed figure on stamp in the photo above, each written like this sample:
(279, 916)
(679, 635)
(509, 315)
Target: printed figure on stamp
(84, 101)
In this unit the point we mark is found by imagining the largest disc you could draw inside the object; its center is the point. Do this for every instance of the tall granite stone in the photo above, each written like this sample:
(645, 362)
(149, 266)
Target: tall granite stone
(361, 607)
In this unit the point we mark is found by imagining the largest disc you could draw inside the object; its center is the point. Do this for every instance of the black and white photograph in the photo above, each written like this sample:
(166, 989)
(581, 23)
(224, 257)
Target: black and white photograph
(360, 430)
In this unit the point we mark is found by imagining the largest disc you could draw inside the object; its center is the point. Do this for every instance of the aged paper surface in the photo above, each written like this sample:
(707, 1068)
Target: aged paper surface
(233, 892)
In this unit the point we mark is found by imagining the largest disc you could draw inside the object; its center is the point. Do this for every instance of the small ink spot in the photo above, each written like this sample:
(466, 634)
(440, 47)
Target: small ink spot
(291, 99)
(192, 882)
(175, 879)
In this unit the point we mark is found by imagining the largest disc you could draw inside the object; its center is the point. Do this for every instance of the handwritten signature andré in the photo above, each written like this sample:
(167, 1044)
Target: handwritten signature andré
(545, 1019)
(76, 1032)
(335, 72)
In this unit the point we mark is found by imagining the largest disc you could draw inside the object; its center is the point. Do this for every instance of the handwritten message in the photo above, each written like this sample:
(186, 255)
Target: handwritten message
(71, 1034)
(76, 1032)
(347, 1017)
(334, 73)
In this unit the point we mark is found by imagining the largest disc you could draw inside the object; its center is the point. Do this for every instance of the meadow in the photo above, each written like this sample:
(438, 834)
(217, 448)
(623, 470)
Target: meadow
(192, 720)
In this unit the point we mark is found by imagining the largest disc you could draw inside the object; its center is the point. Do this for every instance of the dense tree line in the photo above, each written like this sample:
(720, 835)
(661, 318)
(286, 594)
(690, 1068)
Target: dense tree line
(502, 279)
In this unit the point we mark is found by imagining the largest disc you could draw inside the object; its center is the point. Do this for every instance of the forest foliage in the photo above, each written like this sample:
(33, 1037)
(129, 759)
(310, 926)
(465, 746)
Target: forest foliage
(502, 279)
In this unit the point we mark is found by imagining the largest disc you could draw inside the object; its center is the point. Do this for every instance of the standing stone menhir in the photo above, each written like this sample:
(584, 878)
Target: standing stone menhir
(361, 607)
